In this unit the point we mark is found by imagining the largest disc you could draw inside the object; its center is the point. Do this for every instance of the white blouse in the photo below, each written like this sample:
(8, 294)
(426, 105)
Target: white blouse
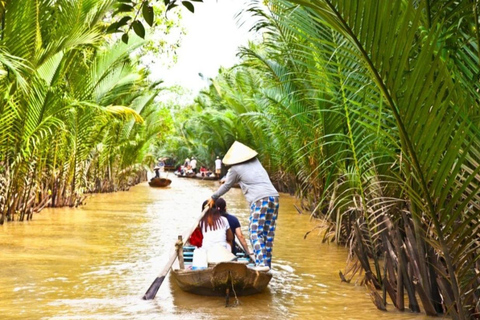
(213, 237)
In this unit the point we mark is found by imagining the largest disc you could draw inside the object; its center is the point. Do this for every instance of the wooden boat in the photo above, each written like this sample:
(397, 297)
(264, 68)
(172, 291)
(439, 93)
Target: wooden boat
(218, 279)
(212, 177)
(187, 175)
(197, 176)
(159, 182)
(169, 164)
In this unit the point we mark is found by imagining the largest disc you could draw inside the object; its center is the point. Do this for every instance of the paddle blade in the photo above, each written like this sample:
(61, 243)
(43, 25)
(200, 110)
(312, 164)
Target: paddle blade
(152, 291)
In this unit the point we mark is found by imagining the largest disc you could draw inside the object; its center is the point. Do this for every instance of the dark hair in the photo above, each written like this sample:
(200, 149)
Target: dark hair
(203, 205)
(221, 204)
(211, 220)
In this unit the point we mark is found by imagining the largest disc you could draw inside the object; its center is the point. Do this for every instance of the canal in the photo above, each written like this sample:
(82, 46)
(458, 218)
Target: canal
(97, 261)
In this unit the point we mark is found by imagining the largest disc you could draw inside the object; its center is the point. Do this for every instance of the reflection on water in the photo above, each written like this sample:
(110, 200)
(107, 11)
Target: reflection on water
(97, 261)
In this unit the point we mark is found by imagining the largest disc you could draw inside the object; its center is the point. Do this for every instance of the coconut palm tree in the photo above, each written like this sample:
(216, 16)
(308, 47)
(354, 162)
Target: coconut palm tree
(390, 71)
(65, 107)
(35, 57)
(373, 107)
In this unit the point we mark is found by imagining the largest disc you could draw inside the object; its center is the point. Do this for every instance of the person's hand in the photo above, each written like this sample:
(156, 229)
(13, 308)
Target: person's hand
(210, 203)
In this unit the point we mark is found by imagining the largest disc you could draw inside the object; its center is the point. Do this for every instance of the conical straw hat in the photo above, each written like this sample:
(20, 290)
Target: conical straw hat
(238, 153)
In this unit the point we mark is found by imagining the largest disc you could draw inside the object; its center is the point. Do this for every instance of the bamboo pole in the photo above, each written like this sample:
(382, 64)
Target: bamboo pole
(179, 246)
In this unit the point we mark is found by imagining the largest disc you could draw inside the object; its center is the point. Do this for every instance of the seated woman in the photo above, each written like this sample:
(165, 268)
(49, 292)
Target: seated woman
(209, 173)
(180, 170)
(189, 171)
(217, 236)
(203, 171)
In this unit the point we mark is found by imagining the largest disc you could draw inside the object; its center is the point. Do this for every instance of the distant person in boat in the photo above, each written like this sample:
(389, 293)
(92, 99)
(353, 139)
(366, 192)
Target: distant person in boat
(218, 166)
(248, 172)
(209, 173)
(193, 164)
(187, 162)
(157, 172)
(221, 205)
(179, 170)
(217, 236)
(203, 171)
(189, 171)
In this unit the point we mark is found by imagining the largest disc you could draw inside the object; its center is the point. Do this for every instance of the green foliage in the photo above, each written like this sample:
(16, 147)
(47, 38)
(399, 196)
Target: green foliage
(134, 9)
(189, 6)
(77, 113)
(138, 28)
(373, 109)
(148, 13)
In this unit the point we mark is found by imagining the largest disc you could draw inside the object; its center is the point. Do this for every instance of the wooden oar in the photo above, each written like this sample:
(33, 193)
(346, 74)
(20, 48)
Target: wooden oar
(152, 291)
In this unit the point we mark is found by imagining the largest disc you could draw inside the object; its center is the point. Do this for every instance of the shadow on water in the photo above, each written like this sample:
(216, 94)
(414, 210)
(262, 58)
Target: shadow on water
(97, 261)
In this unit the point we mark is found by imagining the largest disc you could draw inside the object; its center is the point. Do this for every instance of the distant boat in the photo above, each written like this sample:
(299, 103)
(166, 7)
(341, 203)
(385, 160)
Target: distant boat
(169, 163)
(205, 177)
(197, 176)
(185, 175)
(159, 182)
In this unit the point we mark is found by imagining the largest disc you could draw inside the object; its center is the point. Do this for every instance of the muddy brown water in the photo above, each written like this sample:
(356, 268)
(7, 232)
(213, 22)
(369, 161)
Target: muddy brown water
(97, 261)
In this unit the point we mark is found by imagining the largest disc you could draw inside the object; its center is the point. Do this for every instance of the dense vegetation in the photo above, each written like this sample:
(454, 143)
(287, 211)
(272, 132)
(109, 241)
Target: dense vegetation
(77, 111)
(367, 110)
(370, 110)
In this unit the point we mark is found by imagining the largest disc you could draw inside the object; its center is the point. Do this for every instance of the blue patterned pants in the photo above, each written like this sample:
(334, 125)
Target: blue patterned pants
(263, 215)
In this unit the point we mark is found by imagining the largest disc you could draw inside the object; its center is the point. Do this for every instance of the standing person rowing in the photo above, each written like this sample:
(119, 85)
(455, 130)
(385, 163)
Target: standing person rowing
(218, 166)
(248, 172)
(193, 164)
